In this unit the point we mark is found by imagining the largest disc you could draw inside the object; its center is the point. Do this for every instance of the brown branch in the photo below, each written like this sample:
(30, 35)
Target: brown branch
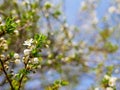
(7, 77)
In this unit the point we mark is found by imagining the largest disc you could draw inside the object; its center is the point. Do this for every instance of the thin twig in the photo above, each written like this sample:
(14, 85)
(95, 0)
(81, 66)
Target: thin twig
(7, 77)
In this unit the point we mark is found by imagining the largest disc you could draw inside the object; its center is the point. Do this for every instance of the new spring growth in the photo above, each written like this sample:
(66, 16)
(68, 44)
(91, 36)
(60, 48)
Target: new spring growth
(47, 5)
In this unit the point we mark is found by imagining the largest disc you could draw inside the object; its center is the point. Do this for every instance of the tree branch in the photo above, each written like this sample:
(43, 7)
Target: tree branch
(7, 77)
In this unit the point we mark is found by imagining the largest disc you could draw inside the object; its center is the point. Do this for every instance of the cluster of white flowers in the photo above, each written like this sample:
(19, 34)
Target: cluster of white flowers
(30, 46)
(112, 80)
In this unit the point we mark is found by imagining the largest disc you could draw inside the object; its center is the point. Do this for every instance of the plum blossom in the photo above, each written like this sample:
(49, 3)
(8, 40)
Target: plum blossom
(107, 77)
(16, 56)
(36, 60)
(112, 81)
(27, 52)
(17, 61)
(28, 42)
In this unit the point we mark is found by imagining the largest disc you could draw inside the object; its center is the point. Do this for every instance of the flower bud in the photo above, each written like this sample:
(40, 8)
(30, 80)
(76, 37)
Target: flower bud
(2, 57)
(27, 52)
(35, 60)
(17, 61)
(16, 56)
(107, 77)
(16, 32)
(5, 47)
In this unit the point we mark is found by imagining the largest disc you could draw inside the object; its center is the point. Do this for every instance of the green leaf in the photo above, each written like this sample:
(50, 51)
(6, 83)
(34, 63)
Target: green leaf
(10, 25)
(40, 40)
(11, 54)
(56, 13)
(48, 5)
(110, 47)
(64, 83)
(105, 34)
(57, 82)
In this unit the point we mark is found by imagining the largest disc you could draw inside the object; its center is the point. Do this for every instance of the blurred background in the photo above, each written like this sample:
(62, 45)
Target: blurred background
(86, 35)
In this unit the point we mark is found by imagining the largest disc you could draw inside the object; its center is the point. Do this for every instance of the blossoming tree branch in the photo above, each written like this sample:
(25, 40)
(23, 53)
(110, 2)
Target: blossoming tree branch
(35, 39)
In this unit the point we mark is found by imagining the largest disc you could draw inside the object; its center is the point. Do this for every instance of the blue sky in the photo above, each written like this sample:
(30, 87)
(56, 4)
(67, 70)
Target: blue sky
(72, 9)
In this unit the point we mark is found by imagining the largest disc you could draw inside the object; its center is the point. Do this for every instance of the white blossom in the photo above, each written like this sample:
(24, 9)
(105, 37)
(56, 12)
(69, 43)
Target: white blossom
(16, 56)
(109, 88)
(112, 81)
(96, 88)
(16, 32)
(2, 57)
(112, 9)
(107, 77)
(17, 61)
(35, 60)
(27, 52)
(5, 46)
(28, 42)
(2, 38)
(18, 21)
